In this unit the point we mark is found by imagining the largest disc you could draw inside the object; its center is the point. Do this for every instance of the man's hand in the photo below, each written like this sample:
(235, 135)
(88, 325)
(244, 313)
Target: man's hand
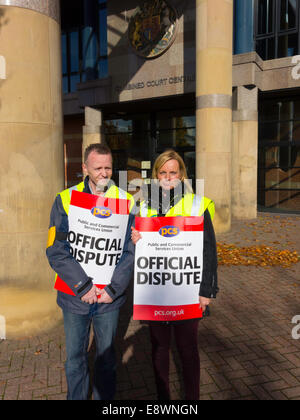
(104, 297)
(135, 235)
(91, 296)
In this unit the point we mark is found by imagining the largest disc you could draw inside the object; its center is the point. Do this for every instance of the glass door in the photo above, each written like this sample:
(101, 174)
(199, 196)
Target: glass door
(137, 140)
(177, 131)
(129, 138)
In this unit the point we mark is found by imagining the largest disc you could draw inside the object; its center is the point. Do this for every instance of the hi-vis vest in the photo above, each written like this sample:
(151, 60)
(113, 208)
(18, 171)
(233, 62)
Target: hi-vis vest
(112, 192)
(189, 205)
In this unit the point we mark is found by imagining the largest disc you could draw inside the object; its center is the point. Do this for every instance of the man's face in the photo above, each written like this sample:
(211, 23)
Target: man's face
(98, 168)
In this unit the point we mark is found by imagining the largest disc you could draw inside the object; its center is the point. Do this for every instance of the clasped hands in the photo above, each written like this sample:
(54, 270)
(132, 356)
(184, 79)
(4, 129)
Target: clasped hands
(96, 295)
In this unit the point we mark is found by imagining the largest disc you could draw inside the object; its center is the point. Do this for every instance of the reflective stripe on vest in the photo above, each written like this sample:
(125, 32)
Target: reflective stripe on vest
(66, 195)
(189, 205)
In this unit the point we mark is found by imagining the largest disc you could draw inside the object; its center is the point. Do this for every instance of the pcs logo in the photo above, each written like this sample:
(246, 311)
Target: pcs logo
(169, 231)
(101, 212)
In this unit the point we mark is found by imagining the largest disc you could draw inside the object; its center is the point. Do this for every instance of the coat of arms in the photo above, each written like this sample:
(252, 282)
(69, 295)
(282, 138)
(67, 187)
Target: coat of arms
(152, 28)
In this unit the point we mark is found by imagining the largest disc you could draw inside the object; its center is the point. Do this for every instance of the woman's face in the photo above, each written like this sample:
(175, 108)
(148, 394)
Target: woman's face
(169, 175)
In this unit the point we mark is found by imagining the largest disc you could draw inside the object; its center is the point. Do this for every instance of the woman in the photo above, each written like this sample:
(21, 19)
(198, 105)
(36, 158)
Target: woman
(168, 200)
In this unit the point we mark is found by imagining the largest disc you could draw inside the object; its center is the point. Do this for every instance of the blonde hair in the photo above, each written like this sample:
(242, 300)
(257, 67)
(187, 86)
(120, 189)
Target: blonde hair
(165, 157)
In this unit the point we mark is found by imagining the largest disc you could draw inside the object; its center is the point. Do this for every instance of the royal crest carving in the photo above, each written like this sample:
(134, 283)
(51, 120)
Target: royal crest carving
(152, 28)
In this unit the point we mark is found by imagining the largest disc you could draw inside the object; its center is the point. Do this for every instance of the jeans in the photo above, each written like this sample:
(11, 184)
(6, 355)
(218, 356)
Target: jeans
(77, 329)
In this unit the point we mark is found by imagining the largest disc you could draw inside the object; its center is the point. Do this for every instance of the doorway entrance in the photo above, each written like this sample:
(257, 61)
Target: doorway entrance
(137, 139)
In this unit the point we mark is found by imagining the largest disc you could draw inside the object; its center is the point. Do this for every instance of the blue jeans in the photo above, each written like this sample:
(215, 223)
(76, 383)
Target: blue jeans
(77, 329)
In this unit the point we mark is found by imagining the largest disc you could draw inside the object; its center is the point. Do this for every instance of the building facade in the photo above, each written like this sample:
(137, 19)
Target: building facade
(147, 104)
(216, 80)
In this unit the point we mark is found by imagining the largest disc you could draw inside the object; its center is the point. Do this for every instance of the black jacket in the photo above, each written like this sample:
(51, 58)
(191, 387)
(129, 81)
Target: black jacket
(209, 284)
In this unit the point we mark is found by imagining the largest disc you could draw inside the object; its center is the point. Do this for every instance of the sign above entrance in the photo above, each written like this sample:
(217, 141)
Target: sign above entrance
(152, 28)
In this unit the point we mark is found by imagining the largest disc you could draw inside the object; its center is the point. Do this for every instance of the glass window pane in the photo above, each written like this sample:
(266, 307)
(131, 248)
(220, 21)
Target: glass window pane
(286, 110)
(269, 110)
(296, 131)
(102, 68)
(176, 119)
(103, 32)
(265, 16)
(129, 150)
(265, 48)
(283, 200)
(180, 138)
(287, 45)
(269, 132)
(296, 102)
(190, 163)
(288, 12)
(74, 51)
(285, 130)
(89, 53)
(117, 126)
(118, 141)
(74, 80)
(65, 85)
(64, 53)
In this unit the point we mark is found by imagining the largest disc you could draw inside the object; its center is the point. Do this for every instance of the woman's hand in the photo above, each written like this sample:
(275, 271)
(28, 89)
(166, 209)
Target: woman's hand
(204, 302)
(135, 235)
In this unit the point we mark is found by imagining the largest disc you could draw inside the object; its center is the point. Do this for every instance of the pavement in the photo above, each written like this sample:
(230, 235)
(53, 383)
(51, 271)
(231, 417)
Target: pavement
(249, 345)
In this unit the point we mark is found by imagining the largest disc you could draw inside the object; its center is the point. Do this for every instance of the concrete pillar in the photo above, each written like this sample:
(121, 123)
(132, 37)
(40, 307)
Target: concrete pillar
(213, 104)
(31, 161)
(92, 130)
(244, 153)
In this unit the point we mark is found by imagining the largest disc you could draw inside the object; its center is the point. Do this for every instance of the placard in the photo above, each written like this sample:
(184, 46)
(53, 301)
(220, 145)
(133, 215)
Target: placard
(97, 229)
(168, 268)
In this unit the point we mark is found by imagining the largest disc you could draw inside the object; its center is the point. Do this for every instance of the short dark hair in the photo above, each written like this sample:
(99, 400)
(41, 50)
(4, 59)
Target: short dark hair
(101, 149)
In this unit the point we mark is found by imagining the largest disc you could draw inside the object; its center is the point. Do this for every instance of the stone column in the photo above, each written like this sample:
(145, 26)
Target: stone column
(92, 130)
(244, 153)
(31, 161)
(213, 104)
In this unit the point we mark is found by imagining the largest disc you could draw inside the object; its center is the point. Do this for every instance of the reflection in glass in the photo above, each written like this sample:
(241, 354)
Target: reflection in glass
(103, 32)
(74, 51)
(265, 16)
(64, 53)
(75, 78)
(190, 163)
(180, 138)
(287, 45)
(288, 10)
(279, 165)
(266, 48)
(65, 85)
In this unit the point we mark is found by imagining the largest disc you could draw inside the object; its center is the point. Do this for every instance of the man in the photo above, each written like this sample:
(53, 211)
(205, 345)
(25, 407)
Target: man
(88, 303)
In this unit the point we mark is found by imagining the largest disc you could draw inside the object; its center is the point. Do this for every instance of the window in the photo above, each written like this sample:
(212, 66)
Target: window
(276, 28)
(84, 41)
(279, 154)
